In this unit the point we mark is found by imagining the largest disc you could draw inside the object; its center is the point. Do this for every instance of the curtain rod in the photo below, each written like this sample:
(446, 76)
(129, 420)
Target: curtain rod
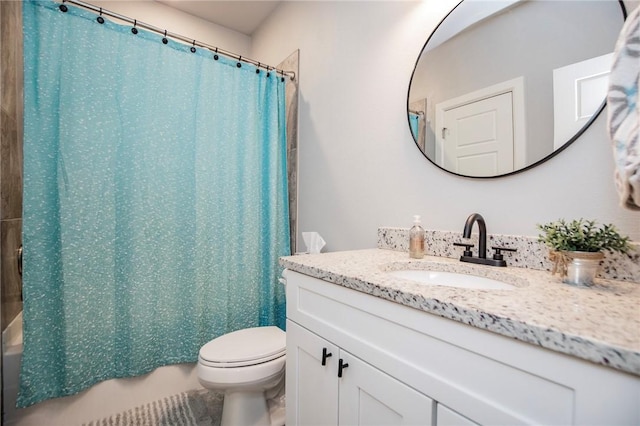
(174, 36)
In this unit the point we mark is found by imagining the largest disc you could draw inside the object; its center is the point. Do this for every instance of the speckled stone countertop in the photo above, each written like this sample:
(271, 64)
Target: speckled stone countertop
(600, 324)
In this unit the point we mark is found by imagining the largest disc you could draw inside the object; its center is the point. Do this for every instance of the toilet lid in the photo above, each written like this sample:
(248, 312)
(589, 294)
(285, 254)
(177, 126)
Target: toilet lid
(245, 347)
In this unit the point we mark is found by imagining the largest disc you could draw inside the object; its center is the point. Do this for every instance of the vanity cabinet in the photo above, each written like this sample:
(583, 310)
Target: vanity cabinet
(406, 366)
(344, 390)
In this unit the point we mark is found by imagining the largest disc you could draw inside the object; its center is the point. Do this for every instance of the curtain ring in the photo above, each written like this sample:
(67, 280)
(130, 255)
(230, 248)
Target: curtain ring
(100, 19)
(63, 7)
(193, 48)
(258, 69)
(164, 39)
(134, 29)
(216, 57)
(239, 65)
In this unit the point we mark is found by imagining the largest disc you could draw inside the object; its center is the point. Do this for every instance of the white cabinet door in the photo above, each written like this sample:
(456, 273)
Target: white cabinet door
(369, 397)
(312, 388)
(364, 395)
(448, 417)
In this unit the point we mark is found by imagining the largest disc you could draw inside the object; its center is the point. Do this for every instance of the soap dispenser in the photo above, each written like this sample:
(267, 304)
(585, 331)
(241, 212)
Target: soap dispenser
(416, 239)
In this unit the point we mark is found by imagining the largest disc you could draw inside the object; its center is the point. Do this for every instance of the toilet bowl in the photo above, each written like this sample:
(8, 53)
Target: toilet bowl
(244, 364)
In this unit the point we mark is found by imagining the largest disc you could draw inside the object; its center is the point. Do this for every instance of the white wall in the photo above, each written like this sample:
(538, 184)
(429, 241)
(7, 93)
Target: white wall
(359, 168)
(177, 22)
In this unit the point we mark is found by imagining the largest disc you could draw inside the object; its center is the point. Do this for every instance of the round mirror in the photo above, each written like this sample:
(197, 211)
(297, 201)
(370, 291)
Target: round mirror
(503, 85)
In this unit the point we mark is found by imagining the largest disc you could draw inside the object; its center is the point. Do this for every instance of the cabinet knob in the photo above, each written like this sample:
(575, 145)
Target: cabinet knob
(325, 355)
(341, 366)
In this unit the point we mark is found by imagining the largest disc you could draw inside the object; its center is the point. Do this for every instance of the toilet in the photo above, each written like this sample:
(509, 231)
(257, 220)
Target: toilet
(244, 364)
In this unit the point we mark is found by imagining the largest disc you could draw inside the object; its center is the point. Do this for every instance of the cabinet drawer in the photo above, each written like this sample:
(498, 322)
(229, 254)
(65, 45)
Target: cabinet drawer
(409, 345)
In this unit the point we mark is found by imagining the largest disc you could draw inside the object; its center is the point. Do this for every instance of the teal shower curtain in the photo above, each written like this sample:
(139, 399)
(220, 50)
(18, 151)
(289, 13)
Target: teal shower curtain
(155, 200)
(414, 123)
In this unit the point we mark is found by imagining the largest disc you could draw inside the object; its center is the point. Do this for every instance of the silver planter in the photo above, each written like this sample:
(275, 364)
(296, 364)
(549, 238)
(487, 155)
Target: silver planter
(582, 267)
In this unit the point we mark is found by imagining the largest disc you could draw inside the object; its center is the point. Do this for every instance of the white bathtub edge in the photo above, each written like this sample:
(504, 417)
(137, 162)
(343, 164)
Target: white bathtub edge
(12, 335)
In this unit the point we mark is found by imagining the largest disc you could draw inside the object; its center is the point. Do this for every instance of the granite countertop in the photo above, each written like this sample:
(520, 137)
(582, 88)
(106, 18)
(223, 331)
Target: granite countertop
(600, 324)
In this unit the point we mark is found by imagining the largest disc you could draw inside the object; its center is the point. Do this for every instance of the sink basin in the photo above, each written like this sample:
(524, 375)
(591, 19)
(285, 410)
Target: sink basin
(451, 279)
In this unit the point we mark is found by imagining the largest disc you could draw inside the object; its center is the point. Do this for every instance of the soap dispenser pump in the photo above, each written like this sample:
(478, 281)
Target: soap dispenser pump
(416, 239)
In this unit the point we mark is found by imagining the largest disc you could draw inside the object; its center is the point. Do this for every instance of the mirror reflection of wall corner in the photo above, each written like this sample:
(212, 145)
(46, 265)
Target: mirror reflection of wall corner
(481, 45)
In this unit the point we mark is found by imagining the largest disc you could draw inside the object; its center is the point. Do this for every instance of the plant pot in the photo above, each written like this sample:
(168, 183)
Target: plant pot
(581, 267)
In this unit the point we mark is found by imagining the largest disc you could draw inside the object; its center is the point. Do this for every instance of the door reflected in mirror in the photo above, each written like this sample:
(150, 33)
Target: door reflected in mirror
(502, 85)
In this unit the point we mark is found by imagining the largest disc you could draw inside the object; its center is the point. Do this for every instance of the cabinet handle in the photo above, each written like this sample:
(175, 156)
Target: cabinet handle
(325, 355)
(19, 259)
(341, 366)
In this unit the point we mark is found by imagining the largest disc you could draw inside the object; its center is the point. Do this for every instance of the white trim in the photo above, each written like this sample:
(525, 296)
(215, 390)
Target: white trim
(516, 87)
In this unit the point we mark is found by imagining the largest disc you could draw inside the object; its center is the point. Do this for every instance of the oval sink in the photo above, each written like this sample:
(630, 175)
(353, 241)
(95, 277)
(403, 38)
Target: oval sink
(451, 279)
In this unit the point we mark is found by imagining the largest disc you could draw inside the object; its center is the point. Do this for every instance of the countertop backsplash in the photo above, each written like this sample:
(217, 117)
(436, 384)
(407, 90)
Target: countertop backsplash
(530, 253)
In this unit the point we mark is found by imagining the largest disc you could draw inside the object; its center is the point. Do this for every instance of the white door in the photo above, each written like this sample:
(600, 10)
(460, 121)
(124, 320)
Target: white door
(477, 138)
(578, 91)
(369, 397)
(312, 388)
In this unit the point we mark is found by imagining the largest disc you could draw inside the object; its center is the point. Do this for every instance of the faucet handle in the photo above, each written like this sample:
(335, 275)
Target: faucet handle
(467, 248)
(498, 252)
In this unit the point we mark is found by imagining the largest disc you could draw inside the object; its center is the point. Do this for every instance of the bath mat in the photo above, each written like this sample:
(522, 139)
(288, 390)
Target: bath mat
(192, 408)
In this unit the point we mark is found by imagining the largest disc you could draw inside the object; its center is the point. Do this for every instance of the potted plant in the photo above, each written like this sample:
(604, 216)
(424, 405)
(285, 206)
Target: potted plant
(577, 247)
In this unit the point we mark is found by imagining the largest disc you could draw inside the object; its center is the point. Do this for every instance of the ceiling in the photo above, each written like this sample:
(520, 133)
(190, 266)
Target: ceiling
(239, 15)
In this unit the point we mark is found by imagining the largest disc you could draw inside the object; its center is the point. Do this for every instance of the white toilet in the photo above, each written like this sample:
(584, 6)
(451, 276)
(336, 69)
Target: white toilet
(244, 364)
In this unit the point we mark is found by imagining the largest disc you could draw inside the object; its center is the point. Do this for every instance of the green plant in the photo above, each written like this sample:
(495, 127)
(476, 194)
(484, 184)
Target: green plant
(582, 235)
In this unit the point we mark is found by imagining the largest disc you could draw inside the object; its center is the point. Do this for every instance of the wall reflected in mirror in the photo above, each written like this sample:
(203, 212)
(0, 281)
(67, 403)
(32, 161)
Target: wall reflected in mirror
(501, 85)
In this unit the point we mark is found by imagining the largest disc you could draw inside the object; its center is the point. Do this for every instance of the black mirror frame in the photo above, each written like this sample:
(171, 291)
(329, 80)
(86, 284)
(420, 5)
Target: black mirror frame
(530, 166)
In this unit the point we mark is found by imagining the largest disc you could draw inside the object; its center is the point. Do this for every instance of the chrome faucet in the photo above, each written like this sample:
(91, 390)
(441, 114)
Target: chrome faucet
(467, 256)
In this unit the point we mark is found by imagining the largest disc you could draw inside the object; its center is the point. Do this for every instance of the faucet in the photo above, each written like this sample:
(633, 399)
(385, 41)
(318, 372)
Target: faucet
(467, 256)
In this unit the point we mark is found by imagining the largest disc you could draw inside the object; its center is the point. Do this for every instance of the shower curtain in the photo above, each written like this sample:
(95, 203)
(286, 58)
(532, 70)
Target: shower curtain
(414, 124)
(155, 200)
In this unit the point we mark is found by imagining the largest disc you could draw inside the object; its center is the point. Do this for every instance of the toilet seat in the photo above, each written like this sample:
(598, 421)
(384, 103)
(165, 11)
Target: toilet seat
(243, 348)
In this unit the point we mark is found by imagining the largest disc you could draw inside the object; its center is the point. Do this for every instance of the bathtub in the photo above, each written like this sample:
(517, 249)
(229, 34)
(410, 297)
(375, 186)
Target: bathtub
(99, 401)
(11, 356)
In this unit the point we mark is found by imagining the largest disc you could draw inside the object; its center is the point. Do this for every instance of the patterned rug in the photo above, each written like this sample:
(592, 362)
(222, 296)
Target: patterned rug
(192, 408)
(200, 407)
